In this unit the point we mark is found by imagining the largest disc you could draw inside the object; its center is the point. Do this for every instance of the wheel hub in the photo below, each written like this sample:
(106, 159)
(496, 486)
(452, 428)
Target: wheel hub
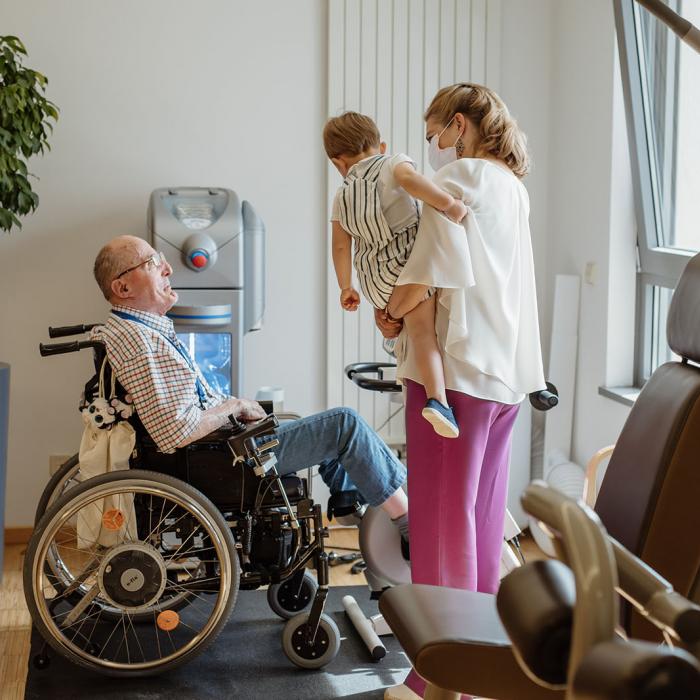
(306, 648)
(132, 576)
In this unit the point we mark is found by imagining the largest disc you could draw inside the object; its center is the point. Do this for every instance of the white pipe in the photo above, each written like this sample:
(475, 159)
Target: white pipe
(364, 628)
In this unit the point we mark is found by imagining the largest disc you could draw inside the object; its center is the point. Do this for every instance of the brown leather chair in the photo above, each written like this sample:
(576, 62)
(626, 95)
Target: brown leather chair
(649, 501)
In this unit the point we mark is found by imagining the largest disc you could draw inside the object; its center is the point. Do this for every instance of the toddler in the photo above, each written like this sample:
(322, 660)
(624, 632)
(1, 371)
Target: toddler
(378, 207)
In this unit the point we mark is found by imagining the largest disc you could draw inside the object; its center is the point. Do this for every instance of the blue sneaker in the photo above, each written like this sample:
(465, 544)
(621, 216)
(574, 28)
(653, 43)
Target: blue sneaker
(441, 418)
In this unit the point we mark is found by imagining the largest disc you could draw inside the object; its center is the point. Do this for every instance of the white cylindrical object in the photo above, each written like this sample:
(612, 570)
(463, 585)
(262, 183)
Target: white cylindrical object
(272, 393)
(566, 477)
(364, 628)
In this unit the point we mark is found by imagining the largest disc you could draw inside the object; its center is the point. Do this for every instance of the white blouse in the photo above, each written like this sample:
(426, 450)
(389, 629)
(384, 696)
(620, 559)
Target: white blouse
(486, 313)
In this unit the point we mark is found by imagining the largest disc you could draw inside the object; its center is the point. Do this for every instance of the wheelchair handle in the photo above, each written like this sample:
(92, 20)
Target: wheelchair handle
(63, 331)
(356, 373)
(61, 348)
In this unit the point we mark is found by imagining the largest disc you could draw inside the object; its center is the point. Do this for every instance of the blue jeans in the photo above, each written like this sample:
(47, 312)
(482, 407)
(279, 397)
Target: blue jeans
(349, 453)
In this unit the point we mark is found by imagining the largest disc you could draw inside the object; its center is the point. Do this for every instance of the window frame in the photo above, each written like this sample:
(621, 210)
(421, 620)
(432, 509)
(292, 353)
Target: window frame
(657, 265)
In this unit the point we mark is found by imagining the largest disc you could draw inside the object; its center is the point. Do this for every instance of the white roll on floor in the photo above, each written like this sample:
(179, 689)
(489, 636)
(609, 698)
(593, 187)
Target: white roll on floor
(364, 628)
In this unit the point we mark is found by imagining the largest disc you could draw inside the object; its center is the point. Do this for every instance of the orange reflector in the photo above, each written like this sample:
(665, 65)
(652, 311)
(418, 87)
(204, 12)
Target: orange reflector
(168, 620)
(113, 519)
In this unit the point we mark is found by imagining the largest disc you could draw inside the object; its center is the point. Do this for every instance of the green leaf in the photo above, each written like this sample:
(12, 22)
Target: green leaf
(26, 119)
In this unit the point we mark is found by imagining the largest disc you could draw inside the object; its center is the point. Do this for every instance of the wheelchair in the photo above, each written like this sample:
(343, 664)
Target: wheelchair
(172, 539)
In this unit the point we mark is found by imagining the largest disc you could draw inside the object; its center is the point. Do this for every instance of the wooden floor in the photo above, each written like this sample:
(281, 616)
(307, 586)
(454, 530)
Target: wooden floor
(15, 627)
(15, 623)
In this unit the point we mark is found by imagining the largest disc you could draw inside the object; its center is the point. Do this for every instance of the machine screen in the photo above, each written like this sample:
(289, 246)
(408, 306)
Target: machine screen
(212, 353)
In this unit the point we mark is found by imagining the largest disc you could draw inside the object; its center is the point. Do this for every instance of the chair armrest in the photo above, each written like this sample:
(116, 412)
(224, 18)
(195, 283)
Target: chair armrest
(591, 478)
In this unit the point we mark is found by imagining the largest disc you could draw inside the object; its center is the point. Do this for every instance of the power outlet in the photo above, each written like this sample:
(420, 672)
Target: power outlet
(55, 462)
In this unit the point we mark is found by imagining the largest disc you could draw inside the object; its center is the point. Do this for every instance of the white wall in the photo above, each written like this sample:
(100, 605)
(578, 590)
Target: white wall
(219, 94)
(561, 81)
(224, 93)
(526, 87)
(590, 211)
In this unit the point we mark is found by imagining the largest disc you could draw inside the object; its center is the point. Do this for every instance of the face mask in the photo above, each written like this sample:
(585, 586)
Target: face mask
(440, 157)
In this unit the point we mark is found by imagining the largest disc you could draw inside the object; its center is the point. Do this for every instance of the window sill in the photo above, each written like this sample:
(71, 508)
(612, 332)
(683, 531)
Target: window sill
(625, 395)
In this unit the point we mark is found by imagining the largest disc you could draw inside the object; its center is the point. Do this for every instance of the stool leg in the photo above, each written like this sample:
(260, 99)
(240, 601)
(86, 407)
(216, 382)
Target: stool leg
(432, 692)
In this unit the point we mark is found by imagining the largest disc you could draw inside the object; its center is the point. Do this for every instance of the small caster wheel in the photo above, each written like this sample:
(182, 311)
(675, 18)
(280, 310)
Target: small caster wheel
(288, 598)
(317, 654)
(41, 661)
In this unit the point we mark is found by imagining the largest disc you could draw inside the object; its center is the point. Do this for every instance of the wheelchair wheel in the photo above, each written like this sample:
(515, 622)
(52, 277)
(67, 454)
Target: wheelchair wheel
(118, 537)
(66, 477)
(293, 595)
(310, 655)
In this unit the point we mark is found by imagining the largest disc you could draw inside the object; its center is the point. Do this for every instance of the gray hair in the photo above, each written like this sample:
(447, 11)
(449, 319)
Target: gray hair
(109, 262)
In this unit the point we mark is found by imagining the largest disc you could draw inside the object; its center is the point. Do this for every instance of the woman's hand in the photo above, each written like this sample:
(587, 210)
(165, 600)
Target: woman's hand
(349, 299)
(388, 327)
(456, 211)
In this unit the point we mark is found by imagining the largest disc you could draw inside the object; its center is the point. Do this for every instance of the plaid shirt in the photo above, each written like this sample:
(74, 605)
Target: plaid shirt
(162, 384)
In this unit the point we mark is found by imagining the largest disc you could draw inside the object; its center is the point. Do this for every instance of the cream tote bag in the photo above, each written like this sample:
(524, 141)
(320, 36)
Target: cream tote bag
(106, 446)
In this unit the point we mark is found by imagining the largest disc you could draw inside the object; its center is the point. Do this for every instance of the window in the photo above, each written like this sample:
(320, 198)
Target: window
(661, 80)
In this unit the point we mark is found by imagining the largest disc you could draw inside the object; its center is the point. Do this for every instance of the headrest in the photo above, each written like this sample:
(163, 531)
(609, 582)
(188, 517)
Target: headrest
(535, 603)
(683, 327)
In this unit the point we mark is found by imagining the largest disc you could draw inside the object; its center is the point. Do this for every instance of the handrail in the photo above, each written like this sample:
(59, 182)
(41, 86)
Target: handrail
(589, 554)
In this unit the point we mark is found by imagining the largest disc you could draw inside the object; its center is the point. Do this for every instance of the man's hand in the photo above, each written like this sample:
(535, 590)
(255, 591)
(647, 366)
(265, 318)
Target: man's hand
(349, 299)
(456, 211)
(388, 327)
(246, 410)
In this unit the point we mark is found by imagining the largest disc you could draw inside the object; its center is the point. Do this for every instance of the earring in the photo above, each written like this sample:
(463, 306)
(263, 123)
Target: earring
(459, 146)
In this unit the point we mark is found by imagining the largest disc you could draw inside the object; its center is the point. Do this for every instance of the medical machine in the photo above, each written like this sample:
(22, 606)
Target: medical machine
(215, 244)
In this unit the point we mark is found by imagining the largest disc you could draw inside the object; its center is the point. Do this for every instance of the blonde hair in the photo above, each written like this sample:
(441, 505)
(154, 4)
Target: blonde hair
(349, 134)
(500, 135)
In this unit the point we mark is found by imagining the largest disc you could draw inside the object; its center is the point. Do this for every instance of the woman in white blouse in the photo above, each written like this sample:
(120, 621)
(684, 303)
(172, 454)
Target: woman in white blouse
(487, 329)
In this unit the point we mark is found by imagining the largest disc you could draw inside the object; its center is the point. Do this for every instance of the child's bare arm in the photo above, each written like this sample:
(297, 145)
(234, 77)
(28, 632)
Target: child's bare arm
(427, 191)
(342, 262)
(342, 255)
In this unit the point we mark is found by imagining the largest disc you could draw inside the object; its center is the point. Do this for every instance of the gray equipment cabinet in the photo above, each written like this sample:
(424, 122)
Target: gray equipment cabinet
(215, 244)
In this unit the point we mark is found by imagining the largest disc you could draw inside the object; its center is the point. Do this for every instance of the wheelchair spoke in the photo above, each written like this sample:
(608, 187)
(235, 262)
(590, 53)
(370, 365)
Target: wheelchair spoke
(190, 593)
(111, 596)
(136, 636)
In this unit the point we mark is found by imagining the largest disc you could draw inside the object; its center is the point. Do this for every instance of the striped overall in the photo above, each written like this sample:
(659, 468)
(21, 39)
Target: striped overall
(380, 254)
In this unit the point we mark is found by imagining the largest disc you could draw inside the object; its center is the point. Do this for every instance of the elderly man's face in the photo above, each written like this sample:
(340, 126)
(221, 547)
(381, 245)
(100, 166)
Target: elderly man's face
(145, 287)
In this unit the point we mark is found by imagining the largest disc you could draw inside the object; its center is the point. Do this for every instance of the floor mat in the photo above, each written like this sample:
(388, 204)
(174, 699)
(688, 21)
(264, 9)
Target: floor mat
(245, 661)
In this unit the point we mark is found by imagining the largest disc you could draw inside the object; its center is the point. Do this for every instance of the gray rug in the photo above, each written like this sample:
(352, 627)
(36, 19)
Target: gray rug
(245, 661)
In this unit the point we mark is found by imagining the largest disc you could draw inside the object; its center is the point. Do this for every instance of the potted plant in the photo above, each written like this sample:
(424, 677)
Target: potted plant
(25, 123)
(25, 116)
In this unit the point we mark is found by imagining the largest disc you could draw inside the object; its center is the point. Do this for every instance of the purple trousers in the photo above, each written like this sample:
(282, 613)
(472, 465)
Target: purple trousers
(457, 492)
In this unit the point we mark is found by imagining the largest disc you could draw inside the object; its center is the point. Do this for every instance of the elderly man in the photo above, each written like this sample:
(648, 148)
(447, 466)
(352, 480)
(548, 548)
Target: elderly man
(177, 406)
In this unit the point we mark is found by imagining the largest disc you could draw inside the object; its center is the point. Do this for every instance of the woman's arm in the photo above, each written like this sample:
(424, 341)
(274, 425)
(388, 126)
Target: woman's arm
(427, 191)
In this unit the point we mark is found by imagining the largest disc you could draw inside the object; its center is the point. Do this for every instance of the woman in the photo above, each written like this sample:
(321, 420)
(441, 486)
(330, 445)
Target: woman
(487, 329)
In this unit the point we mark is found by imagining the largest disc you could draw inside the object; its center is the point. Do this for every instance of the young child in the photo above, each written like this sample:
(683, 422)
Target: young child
(377, 206)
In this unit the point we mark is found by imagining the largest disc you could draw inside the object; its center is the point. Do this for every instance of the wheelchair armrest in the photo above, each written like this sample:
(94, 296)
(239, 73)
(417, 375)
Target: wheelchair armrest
(244, 435)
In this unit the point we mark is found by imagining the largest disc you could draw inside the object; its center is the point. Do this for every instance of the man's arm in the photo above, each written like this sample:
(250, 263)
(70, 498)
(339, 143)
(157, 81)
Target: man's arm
(427, 191)
(165, 397)
(212, 419)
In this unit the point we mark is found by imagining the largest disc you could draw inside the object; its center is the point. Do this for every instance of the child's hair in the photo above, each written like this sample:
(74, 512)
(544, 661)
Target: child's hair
(349, 134)
(500, 134)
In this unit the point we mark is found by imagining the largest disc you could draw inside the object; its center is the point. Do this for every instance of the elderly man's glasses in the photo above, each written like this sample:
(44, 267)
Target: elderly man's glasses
(156, 261)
